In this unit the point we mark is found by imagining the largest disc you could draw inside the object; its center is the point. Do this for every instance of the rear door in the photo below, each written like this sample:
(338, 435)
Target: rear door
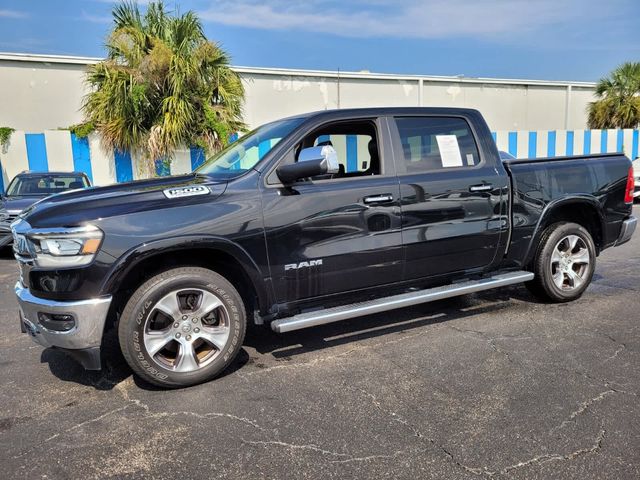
(450, 196)
(341, 232)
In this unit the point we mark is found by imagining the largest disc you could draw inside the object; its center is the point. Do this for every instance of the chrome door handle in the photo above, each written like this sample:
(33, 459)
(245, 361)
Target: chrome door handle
(481, 188)
(384, 198)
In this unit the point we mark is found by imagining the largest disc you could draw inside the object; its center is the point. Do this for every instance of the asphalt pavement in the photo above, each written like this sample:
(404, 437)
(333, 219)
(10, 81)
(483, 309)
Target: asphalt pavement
(488, 385)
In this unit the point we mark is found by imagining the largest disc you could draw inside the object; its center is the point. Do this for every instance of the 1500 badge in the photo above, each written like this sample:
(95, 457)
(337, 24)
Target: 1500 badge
(297, 266)
(188, 191)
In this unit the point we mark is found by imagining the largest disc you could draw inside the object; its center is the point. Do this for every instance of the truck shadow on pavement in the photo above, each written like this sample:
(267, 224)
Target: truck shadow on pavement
(276, 348)
(288, 345)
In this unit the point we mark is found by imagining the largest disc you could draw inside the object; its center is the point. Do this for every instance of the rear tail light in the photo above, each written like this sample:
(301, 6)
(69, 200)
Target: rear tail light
(628, 192)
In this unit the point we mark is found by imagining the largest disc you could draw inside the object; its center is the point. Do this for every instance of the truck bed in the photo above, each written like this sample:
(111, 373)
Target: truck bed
(539, 183)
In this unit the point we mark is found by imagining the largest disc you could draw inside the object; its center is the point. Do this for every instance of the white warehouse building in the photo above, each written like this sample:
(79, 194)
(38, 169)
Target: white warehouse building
(41, 95)
(43, 92)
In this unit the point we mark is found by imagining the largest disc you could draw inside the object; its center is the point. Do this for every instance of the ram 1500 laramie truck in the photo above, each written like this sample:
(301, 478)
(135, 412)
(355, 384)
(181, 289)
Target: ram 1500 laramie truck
(312, 219)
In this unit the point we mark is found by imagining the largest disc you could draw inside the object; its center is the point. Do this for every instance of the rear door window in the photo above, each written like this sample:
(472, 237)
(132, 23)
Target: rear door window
(436, 143)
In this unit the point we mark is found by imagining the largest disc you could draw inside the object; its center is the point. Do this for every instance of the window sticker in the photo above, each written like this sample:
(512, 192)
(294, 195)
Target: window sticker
(470, 161)
(449, 151)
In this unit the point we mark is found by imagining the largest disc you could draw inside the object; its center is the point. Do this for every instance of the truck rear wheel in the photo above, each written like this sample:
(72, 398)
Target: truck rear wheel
(564, 263)
(182, 327)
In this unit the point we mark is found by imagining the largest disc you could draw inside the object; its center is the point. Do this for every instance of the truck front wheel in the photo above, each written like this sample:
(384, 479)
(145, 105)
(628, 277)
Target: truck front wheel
(182, 327)
(564, 263)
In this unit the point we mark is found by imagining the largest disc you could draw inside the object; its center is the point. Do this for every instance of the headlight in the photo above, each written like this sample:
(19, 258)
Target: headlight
(65, 247)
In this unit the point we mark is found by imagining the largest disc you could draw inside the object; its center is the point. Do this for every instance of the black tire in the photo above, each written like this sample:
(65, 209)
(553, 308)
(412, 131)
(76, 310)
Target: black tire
(546, 269)
(145, 302)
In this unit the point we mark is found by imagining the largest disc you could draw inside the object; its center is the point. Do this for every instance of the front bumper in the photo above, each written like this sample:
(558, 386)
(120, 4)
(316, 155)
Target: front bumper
(626, 232)
(82, 341)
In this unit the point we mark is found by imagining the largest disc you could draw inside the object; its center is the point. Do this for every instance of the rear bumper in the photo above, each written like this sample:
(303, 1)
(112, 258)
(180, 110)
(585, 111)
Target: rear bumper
(86, 335)
(626, 232)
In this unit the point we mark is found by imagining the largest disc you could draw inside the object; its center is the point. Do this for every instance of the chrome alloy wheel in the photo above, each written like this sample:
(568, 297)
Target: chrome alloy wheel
(570, 263)
(186, 330)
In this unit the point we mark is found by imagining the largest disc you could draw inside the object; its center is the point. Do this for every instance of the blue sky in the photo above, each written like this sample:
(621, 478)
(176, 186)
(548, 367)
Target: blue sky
(545, 39)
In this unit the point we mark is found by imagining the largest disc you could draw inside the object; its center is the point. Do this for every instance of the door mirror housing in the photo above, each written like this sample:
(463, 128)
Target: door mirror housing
(311, 162)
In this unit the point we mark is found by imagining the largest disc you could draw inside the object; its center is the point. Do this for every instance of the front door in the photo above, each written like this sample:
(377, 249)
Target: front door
(452, 210)
(338, 233)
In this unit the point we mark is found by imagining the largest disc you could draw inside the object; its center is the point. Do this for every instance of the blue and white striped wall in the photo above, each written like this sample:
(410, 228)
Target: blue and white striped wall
(556, 143)
(60, 150)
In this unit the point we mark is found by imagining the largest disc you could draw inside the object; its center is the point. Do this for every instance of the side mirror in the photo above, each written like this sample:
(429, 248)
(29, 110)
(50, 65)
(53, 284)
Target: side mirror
(311, 162)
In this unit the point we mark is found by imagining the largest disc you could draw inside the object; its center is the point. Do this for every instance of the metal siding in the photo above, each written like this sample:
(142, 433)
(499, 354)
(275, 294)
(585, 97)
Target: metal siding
(81, 155)
(37, 152)
(586, 149)
(551, 144)
(513, 143)
(181, 162)
(502, 141)
(59, 150)
(620, 141)
(102, 162)
(352, 153)
(14, 160)
(543, 141)
(163, 167)
(197, 157)
(523, 144)
(570, 140)
(533, 141)
(561, 142)
(124, 167)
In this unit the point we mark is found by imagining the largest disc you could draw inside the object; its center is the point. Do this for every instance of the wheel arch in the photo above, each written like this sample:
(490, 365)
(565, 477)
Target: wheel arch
(218, 254)
(584, 210)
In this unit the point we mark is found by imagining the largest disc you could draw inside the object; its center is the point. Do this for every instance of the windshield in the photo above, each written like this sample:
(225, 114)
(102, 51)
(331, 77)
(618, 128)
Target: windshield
(245, 153)
(44, 185)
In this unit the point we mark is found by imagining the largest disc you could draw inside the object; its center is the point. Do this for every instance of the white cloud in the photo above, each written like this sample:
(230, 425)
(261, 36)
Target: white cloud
(95, 18)
(404, 19)
(12, 14)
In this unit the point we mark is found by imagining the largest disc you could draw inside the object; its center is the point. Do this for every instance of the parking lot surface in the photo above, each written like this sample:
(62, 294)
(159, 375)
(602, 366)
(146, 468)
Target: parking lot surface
(489, 385)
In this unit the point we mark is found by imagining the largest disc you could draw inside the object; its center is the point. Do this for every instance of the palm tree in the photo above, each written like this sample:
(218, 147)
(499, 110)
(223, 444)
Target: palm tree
(618, 104)
(163, 85)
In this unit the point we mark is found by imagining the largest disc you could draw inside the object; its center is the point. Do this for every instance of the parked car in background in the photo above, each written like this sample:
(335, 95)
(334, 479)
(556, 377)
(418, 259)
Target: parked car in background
(27, 188)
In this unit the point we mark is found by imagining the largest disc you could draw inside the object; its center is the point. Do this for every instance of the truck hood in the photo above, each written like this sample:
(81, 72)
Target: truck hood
(76, 207)
(14, 205)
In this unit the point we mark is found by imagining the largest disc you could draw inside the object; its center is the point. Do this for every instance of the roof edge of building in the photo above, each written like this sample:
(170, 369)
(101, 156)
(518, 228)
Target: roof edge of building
(294, 72)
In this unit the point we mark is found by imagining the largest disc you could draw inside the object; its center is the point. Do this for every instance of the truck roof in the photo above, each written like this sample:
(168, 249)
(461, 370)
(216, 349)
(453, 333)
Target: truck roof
(345, 112)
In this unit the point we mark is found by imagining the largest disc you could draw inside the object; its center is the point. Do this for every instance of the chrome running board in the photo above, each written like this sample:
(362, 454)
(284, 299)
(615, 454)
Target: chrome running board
(344, 312)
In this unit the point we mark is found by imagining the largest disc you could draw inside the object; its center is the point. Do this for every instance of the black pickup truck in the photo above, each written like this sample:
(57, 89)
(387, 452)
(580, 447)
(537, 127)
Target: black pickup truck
(309, 220)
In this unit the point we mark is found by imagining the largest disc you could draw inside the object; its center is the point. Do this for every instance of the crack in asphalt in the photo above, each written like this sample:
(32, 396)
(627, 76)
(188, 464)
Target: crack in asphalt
(491, 341)
(122, 389)
(345, 457)
(484, 471)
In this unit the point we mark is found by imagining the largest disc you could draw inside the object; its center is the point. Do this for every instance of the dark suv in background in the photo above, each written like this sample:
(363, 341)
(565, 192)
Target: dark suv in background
(27, 188)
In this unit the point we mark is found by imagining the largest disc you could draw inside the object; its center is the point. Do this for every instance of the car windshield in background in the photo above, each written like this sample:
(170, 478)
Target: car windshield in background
(245, 153)
(43, 185)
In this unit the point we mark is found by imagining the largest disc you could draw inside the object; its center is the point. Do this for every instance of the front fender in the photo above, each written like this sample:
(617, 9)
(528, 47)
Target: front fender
(133, 257)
